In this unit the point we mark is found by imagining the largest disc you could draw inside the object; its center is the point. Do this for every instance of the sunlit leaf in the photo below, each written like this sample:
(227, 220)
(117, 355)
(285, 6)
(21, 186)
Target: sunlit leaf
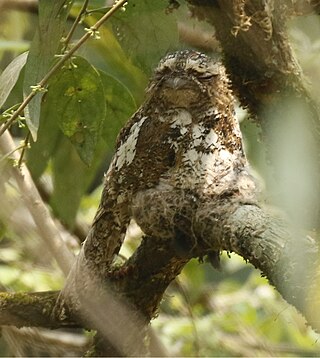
(10, 75)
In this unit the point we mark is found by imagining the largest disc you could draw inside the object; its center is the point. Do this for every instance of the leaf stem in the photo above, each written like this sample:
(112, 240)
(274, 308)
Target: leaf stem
(117, 5)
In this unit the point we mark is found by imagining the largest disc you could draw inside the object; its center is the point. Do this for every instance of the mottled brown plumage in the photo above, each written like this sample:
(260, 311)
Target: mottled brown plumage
(182, 146)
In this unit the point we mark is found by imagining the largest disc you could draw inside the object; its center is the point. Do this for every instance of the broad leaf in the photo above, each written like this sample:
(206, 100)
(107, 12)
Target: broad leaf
(71, 178)
(77, 103)
(51, 26)
(10, 76)
(120, 107)
(146, 32)
(52, 144)
(112, 59)
(49, 136)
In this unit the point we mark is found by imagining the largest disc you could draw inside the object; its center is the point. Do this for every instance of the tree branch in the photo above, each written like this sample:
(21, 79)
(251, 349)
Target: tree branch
(257, 52)
(262, 238)
(288, 259)
(28, 309)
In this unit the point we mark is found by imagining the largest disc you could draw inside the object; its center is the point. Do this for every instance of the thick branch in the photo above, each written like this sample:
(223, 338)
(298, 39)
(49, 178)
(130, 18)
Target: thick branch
(289, 260)
(264, 239)
(148, 273)
(28, 309)
(128, 297)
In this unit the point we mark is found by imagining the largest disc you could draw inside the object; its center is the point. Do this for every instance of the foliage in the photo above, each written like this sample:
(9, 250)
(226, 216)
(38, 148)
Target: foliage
(43, 48)
(74, 124)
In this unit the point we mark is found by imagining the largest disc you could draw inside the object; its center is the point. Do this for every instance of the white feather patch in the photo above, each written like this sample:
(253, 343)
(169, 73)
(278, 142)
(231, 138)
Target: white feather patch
(127, 150)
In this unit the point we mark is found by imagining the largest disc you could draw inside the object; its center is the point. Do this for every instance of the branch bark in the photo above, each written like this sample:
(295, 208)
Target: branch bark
(28, 309)
(263, 239)
(288, 259)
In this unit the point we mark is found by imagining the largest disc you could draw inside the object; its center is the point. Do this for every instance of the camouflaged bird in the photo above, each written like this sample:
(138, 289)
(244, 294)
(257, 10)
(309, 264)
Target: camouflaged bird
(182, 146)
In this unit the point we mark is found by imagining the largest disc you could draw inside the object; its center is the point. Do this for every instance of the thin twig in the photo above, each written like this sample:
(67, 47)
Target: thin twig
(98, 10)
(191, 315)
(91, 31)
(24, 147)
(9, 154)
(74, 25)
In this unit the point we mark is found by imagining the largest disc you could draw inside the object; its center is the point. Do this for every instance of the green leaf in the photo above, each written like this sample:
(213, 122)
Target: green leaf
(70, 181)
(146, 32)
(10, 76)
(92, 4)
(108, 55)
(45, 44)
(120, 107)
(49, 135)
(53, 145)
(66, 165)
(71, 178)
(77, 103)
